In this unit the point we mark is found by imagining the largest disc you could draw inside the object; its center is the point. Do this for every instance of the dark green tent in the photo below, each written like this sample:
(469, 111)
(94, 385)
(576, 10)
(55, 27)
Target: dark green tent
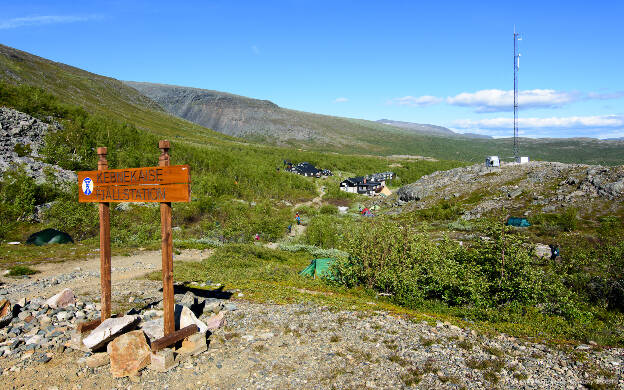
(318, 268)
(49, 236)
(518, 222)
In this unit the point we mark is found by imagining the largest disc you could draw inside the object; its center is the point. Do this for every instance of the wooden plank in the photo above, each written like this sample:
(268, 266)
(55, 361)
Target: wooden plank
(143, 193)
(105, 248)
(174, 337)
(174, 174)
(88, 325)
(166, 250)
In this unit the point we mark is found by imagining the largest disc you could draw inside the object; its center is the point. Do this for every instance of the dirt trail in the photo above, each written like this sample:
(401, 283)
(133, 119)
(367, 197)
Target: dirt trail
(84, 276)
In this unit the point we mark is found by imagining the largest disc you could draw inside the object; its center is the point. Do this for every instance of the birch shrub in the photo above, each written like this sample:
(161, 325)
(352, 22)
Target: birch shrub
(499, 271)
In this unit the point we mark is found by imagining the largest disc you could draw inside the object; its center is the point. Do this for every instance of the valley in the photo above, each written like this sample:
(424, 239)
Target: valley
(429, 289)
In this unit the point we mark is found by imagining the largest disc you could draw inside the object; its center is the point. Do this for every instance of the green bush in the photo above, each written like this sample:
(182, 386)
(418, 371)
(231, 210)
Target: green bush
(406, 263)
(21, 270)
(325, 231)
(441, 211)
(22, 150)
(18, 193)
(566, 221)
(328, 209)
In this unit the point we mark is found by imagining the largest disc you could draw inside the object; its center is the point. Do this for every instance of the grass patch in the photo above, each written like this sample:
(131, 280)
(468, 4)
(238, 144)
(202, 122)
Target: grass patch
(21, 270)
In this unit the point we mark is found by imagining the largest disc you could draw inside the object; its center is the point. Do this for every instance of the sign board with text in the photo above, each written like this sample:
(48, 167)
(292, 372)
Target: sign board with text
(150, 184)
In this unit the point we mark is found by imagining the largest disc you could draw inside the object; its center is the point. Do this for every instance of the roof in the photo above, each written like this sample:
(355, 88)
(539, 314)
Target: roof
(306, 167)
(359, 181)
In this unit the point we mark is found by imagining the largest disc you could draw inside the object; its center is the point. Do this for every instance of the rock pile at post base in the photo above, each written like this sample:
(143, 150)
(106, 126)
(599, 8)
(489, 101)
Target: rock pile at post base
(33, 330)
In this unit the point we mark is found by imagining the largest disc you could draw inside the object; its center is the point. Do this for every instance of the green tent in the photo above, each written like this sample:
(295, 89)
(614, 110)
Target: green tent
(318, 267)
(518, 222)
(49, 236)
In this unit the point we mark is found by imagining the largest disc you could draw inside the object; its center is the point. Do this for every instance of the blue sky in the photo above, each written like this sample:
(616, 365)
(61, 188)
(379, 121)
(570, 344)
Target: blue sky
(448, 63)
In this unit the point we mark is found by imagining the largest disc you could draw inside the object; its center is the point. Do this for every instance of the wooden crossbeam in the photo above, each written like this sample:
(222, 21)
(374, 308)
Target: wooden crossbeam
(174, 337)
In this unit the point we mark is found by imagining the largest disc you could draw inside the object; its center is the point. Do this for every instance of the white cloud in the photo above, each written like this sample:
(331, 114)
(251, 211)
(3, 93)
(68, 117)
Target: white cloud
(492, 100)
(341, 100)
(571, 122)
(419, 101)
(605, 95)
(255, 49)
(42, 20)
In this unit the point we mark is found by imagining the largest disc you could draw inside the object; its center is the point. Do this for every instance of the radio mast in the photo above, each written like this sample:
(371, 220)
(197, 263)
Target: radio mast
(517, 38)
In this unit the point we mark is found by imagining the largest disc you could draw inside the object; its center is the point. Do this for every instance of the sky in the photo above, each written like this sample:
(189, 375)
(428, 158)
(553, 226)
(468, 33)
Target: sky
(444, 63)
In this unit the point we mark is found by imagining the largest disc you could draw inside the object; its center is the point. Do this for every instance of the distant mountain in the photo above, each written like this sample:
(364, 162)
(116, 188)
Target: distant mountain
(418, 127)
(430, 129)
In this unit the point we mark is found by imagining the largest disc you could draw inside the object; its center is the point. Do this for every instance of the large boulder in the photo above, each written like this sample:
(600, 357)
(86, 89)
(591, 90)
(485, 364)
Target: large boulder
(108, 330)
(62, 299)
(412, 192)
(128, 354)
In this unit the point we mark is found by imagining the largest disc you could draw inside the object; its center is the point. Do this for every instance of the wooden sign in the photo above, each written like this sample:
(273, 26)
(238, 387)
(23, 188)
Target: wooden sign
(151, 184)
(164, 184)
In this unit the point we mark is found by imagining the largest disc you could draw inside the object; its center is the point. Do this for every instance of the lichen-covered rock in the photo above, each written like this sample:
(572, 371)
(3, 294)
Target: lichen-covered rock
(128, 354)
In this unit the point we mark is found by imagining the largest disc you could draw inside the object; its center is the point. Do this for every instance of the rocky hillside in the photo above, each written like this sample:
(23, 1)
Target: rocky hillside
(246, 117)
(525, 189)
(21, 138)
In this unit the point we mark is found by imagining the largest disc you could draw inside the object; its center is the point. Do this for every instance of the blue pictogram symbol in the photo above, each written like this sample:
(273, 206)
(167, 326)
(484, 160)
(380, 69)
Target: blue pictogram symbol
(87, 186)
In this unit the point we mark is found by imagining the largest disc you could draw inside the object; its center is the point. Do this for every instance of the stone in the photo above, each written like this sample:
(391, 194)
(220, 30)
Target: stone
(542, 251)
(128, 354)
(36, 339)
(193, 345)
(266, 336)
(97, 360)
(63, 316)
(22, 316)
(6, 313)
(108, 330)
(230, 307)
(216, 321)
(211, 305)
(62, 299)
(162, 360)
(188, 299)
(154, 329)
(187, 318)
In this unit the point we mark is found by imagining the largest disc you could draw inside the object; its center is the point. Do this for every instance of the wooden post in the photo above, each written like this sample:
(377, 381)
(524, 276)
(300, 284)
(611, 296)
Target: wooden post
(166, 249)
(105, 248)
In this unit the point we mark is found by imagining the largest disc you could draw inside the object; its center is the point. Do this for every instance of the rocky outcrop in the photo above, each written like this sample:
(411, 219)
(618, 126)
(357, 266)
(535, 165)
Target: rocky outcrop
(543, 186)
(21, 139)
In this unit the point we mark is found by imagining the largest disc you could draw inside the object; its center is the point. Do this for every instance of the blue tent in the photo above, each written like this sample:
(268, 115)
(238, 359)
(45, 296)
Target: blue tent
(518, 222)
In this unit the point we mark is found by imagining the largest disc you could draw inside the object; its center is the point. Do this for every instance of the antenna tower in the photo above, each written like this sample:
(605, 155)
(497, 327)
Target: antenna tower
(516, 68)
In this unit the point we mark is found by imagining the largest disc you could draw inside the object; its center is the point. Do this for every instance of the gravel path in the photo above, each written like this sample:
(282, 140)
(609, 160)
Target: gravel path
(312, 347)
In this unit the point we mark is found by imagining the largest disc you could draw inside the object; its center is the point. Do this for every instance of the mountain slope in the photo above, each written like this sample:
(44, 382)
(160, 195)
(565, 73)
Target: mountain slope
(262, 120)
(95, 93)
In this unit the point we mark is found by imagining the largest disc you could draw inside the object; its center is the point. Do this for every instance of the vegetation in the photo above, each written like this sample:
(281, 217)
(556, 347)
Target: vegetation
(21, 270)
(492, 277)
(235, 186)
